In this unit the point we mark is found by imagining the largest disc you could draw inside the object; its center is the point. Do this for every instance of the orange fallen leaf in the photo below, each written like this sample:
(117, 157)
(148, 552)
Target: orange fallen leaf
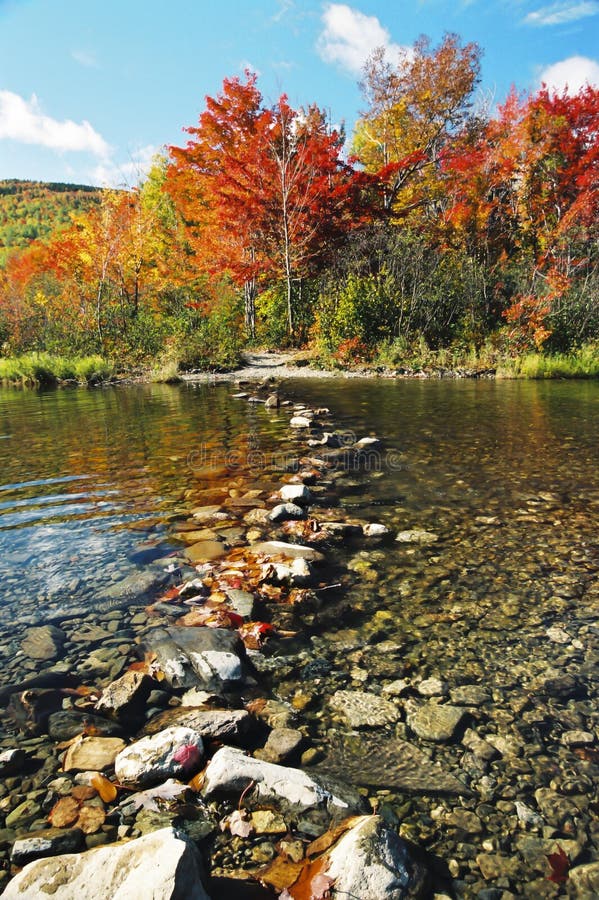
(105, 788)
(64, 813)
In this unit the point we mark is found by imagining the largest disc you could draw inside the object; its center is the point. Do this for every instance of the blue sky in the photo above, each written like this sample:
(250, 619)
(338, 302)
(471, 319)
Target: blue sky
(90, 89)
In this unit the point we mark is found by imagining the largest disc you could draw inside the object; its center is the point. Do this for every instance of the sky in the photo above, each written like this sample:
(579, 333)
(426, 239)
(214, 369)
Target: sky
(90, 90)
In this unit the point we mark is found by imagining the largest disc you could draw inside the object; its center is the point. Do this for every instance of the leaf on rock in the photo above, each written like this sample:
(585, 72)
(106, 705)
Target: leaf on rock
(65, 812)
(330, 837)
(560, 866)
(197, 782)
(167, 791)
(239, 824)
(281, 873)
(105, 788)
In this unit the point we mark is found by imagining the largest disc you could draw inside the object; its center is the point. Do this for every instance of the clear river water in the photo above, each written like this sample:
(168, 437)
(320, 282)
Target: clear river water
(504, 474)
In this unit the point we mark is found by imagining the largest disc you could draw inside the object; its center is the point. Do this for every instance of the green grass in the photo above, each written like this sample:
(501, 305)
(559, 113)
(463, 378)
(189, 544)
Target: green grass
(39, 369)
(581, 363)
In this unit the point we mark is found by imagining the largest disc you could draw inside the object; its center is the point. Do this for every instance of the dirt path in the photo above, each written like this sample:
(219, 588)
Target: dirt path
(260, 365)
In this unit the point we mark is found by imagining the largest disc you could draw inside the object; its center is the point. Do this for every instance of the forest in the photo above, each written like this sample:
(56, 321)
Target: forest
(446, 230)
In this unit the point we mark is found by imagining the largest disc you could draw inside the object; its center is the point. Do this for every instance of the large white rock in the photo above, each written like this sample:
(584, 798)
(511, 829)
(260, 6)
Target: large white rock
(163, 865)
(295, 493)
(232, 771)
(372, 862)
(172, 753)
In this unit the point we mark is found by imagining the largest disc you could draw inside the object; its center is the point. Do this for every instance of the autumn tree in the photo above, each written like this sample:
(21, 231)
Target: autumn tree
(264, 190)
(414, 106)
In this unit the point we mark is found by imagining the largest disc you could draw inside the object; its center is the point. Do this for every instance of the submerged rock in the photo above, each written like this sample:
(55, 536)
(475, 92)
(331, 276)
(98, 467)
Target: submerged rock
(435, 721)
(125, 698)
(361, 709)
(164, 864)
(227, 725)
(49, 842)
(209, 658)
(417, 536)
(43, 643)
(285, 511)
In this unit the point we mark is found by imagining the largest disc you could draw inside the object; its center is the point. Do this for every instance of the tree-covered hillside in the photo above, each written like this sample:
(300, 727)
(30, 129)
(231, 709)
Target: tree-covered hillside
(30, 210)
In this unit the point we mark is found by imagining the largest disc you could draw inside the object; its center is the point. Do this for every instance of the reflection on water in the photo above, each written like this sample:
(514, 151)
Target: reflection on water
(89, 478)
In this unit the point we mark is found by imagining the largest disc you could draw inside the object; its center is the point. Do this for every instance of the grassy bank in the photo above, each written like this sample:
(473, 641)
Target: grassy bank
(40, 369)
(582, 363)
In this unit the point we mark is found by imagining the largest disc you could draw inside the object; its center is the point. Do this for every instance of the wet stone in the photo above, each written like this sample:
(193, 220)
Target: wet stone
(43, 643)
(227, 725)
(469, 695)
(282, 745)
(175, 752)
(432, 687)
(125, 698)
(49, 842)
(434, 721)
(11, 761)
(361, 709)
(68, 723)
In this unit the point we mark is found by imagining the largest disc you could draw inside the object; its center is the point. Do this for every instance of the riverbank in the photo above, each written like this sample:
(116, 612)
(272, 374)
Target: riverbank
(483, 773)
(44, 370)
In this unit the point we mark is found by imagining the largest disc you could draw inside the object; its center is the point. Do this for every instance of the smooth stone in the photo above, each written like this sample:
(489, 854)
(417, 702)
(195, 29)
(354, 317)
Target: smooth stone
(44, 642)
(266, 821)
(132, 588)
(49, 842)
(289, 551)
(434, 721)
(209, 658)
(203, 513)
(11, 761)
(361, 709)
(272, 401)
(469, 695)
(227, 725)
(368, 443)
(242, 602)
(432, 687)
(375, 529)
(295, 493)
(285, 511)
(165, 864)
(300, 422)
(204, 551)
(68, 723)
(577, 738)
(372, 862)
(23, 813)
(231, 771)
(281, 745)
(416, 536)
(125, 698)
(92, 754)
(174, 752)
(585, 880)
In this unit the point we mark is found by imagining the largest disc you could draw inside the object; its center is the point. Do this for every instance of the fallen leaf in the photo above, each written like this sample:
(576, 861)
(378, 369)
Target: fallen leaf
(238, 823)
(64, 813)
(560, 866)
(91, 819)
(147, 799)
(197, 782)
(281, 873)
(330, 837)
(105, 788)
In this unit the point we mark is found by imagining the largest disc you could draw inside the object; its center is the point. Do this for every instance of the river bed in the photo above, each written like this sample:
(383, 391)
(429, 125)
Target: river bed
(493, 614)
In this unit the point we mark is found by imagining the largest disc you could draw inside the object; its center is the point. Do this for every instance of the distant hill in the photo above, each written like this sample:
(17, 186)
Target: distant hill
(34, 209)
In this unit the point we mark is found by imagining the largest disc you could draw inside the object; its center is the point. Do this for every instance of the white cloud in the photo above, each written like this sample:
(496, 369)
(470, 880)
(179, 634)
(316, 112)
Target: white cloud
(22, 120)
(350, 36)
(562, 13)
(125, 174)
(572, 73)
